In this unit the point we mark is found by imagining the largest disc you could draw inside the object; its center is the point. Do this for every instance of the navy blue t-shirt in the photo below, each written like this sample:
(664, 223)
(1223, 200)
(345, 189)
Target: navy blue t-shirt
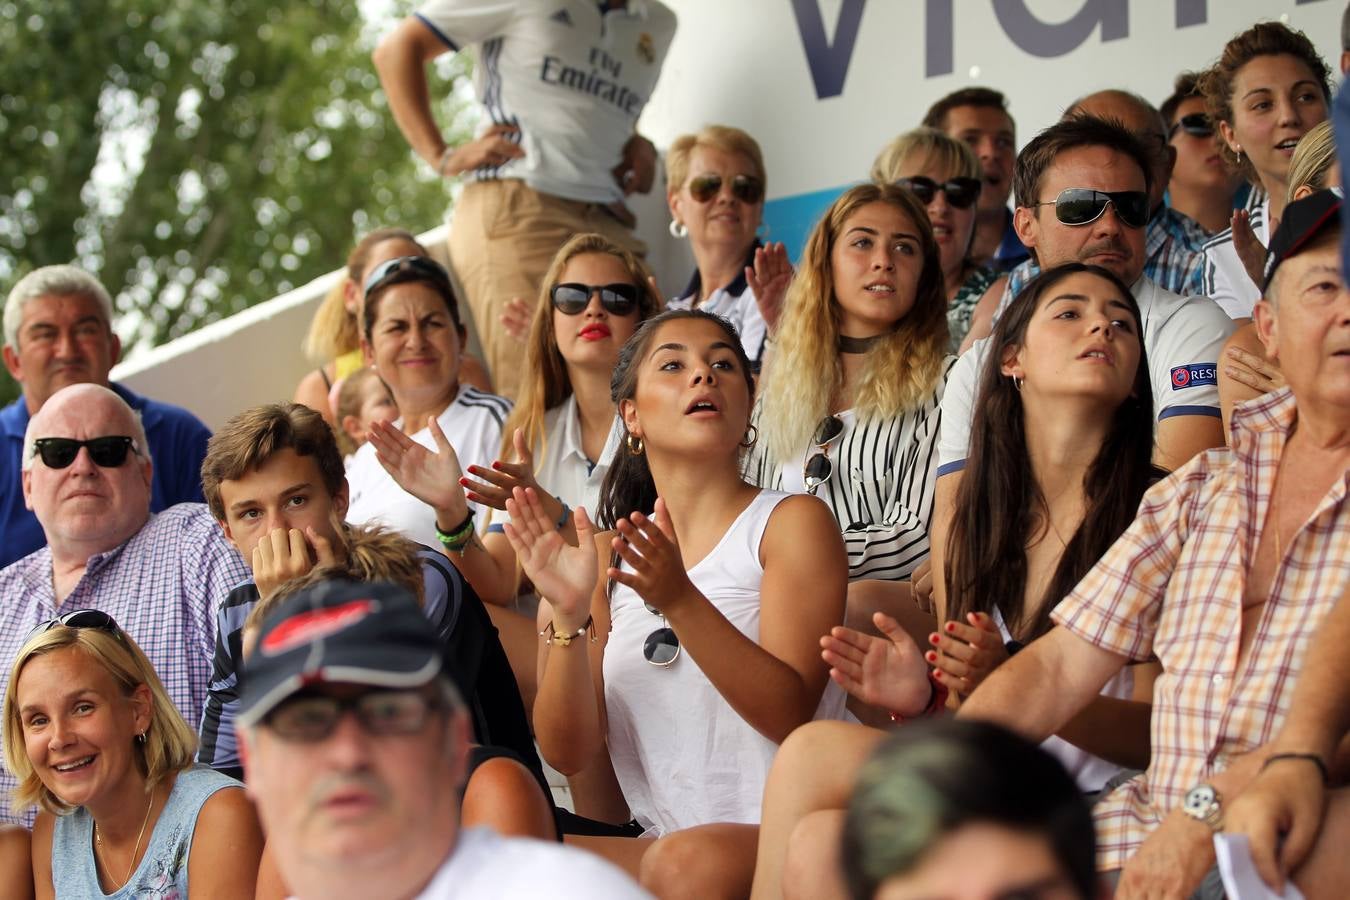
(177, 441)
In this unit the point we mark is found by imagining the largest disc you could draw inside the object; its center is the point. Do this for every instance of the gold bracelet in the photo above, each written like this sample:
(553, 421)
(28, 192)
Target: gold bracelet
(552, 636)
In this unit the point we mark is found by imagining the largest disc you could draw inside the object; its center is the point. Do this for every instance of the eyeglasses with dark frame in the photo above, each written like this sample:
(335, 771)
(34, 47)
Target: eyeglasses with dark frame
(1195, 124)
(79, 618)
(572, 298)
(819, 467)
(107, 452)
(311, 717)
(745, 188)
(1081, 206)
(961, 192)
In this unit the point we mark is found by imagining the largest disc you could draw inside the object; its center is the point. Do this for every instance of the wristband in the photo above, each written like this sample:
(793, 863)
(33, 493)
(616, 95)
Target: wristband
(936, 702)
(1313, 758)
(566, 512)
(459, 537)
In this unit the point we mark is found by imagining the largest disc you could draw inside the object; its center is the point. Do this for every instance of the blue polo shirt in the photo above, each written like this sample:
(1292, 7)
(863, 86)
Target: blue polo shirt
(177, 441)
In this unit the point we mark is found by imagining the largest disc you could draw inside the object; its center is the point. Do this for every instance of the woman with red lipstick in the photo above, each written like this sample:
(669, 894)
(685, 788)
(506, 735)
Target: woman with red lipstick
(849, 401)
(683, 642)
(1060, 462)
(1267, 90)
(97, 744)
(944, 174)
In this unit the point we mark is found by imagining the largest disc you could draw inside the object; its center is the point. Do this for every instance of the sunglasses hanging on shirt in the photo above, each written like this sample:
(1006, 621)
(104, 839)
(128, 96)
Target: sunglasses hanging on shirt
(662, 646)
(819, 467)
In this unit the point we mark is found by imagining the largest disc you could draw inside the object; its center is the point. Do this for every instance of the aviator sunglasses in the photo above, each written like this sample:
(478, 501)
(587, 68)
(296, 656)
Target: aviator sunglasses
(106, 452)
(572, 298)
(746, 188)
(819, 467)
(662, 646)
(961, 191)
(1079, 206)
(1197, 124)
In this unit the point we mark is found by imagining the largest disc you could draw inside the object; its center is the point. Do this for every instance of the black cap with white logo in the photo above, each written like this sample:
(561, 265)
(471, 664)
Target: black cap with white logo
(1303, 220)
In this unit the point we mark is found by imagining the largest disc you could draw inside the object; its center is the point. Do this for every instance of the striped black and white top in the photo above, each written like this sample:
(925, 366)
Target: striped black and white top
(1225, 279)
(881, 490)
(473, 425)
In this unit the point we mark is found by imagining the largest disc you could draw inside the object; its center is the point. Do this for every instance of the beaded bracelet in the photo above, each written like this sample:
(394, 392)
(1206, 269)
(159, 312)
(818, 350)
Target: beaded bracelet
(551, 636)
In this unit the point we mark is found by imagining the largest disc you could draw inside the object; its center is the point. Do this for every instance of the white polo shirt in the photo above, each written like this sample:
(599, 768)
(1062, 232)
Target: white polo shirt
(572, 75)
(1182, 339)
(472, 424)
(736, 303)
(1225, 278)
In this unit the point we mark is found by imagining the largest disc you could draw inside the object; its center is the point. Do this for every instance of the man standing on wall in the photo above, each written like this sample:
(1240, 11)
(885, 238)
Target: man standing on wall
(561, 85)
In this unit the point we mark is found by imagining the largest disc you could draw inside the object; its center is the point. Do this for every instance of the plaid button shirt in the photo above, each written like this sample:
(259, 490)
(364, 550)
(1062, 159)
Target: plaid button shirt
(162, 586)
(1173, 585)
(1172, 257)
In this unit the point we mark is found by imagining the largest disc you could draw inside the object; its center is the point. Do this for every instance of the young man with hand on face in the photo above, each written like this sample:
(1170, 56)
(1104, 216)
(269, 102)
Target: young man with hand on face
(273, 478)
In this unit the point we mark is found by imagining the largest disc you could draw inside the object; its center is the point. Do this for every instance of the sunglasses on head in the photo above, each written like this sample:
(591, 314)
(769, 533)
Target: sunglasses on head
(961, 192)
(662, 646)
(1197, 124)
(819, 467)
(407, 268)
(572, 298)
(1079, 206)
(79, 618)
(745, 188)
(106, 452)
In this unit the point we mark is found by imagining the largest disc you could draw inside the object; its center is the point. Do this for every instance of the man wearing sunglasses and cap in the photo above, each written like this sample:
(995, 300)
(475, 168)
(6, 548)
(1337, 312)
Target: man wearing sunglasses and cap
(87, 475)
(354, 743)
(1225, 577)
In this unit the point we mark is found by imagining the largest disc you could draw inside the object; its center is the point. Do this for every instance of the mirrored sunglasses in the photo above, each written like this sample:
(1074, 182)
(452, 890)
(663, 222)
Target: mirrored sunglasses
(819, 467)
(1080, 206)
(662, 646)
(308, 718)
(107, 452)
(79, 618)
(961, 192)
(572, 298)
(1197, 124)
(746, 188)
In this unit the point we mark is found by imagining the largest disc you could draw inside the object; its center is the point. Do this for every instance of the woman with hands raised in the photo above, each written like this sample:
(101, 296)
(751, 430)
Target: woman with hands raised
(1059, 463)
(683, 640)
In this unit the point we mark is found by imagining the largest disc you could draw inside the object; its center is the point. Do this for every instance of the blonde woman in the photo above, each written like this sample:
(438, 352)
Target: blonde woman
(98, 746)
(944, 174)
(849, 403)
(717, 182)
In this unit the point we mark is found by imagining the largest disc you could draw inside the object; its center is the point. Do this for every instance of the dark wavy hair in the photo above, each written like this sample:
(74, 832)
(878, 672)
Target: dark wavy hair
(935, 777)
(999, 504)
(628, 485)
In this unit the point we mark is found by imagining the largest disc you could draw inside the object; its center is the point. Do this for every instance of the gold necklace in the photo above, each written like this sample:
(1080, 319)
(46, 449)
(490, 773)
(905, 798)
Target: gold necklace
(98, 844)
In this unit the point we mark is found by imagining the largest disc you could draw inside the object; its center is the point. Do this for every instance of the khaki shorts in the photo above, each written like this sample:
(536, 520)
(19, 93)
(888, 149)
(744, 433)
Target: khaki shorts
(503, 236)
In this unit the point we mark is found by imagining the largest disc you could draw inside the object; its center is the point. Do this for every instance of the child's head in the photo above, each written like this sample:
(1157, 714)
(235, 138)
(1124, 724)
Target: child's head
(362, 399)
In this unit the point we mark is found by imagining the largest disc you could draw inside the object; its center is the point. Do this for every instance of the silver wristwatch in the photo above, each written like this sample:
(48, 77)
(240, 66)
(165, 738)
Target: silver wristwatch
(1204, 804)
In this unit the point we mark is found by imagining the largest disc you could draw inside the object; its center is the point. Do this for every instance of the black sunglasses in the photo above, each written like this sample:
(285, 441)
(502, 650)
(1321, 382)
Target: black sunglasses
(1197, 124)
(107, 452)
(572, 298)
(1079, 206)
(662, 646)
(961, 192)
(819, 467)
(308, 718)
(79, 618)
(746, 188)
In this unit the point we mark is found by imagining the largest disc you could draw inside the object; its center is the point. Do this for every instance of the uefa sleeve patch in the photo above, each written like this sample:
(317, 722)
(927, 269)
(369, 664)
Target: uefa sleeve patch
(1194, 375)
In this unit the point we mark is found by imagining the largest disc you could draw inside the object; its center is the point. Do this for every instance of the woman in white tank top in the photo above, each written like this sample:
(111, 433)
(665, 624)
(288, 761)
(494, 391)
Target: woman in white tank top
(1060, 459)
(695, 653)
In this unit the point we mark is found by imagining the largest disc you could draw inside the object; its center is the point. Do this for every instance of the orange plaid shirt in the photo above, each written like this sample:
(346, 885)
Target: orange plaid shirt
(1172, 586)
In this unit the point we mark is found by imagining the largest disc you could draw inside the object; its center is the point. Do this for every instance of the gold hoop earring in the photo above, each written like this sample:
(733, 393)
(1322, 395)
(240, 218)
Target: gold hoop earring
(635, 445)
(751, 437)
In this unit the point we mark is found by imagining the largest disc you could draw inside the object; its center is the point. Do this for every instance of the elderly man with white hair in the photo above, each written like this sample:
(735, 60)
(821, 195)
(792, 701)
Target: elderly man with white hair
(86, 475)
(58, 332)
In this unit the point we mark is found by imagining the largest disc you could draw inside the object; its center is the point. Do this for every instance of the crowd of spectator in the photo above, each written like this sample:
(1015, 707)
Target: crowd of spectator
(987, 551)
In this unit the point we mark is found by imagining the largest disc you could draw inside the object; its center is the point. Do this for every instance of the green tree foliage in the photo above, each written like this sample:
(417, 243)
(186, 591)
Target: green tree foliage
(202, 157)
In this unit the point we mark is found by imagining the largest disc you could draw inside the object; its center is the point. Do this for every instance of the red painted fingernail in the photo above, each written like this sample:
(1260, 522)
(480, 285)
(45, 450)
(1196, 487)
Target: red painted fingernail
(496, 464)
(930, 656)
(951, 626)
(464, 481)
(937, 673)
(934, 639)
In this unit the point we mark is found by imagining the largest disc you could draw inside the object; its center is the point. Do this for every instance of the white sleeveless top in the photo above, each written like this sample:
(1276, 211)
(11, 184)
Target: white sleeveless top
(682, 755)
(1090, 772)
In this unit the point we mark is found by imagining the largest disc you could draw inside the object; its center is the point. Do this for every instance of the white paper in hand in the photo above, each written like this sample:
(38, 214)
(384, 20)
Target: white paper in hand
(1240, 878)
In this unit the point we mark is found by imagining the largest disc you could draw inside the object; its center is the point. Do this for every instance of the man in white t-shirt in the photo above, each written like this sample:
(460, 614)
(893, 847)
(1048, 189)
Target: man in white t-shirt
(354, 745)
(1182, 335)
(561, 84)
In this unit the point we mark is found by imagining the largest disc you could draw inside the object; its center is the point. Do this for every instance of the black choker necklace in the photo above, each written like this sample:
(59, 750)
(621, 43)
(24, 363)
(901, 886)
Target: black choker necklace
(856, 344)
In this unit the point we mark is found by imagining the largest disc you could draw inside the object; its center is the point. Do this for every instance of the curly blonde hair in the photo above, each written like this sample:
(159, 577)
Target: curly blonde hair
(805, 372)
